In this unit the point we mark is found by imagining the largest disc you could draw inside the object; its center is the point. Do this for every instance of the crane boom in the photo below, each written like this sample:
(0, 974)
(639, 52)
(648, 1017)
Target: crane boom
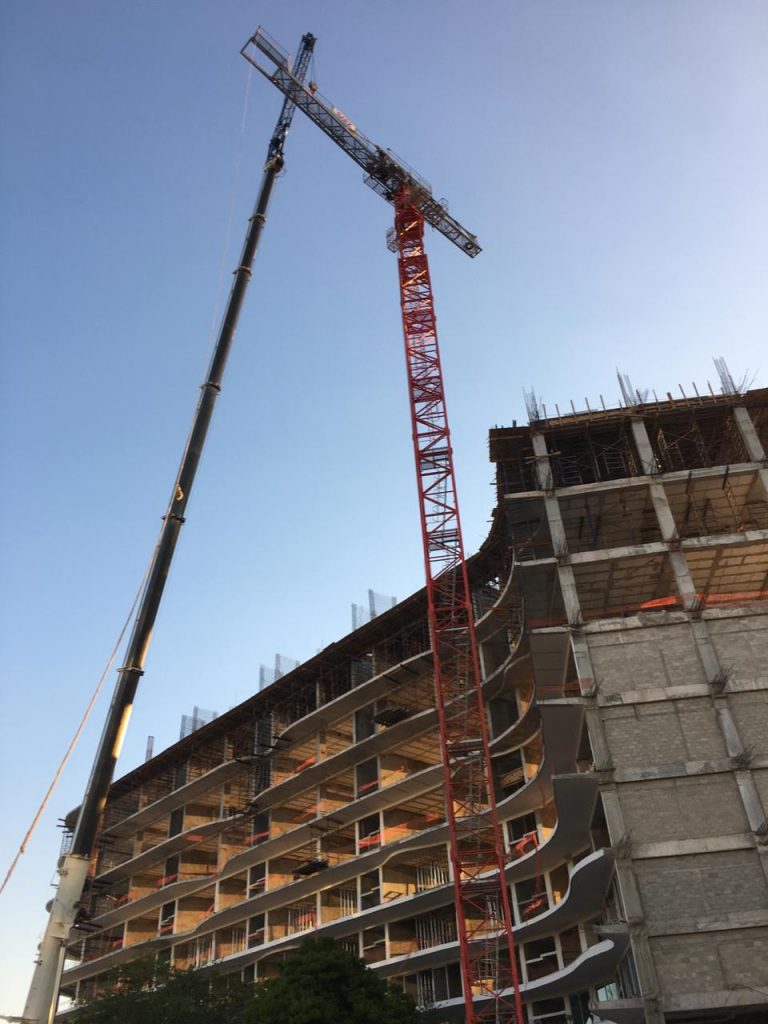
(478, 863)
(43, 994)
(385, 173)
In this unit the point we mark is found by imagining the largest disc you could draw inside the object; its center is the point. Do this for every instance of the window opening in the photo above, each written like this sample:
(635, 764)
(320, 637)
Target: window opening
(368, 833)
(367, 777)
(171, 871)
(364, 723)
(257, 879)
(167, 918)
(370, 890)
(540, 958)
(260, 825)
(374, 945)
(508, 773)
(531, 897)
(256, 929)
(176, 821)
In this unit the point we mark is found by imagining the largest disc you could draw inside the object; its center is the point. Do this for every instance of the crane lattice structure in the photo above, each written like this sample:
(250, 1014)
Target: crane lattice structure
(484, 920)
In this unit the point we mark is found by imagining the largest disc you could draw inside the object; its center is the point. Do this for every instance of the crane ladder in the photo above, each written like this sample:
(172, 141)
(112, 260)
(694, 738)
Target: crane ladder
(488, 965)
(484, 920)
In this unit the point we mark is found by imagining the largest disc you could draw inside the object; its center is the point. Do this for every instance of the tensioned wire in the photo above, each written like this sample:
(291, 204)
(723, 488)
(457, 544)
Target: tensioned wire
(110, 662)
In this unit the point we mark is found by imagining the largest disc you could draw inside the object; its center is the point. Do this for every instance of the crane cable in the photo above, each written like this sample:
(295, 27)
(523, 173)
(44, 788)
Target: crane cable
(78, 731)
(110, 663)
(232, 199)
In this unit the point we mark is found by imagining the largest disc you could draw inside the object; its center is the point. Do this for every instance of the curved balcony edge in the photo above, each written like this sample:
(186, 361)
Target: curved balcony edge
(593, 967)
(176, 798)
(587, 888)
(574, 794)
(411, 786)
(164, 849)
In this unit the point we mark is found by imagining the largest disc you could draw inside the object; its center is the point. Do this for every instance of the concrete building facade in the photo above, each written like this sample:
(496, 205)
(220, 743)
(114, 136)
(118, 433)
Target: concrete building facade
(623, 630)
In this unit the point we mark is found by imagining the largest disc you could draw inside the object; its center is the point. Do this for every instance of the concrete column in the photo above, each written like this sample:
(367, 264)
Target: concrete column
(633, 905)
(583, 660)
(543, 468)
(597, 738)
(706, 651)
(664, 517)
(749, 435)
(752, 443)
(644, 447)
(565, 574)
(750, 797)
(570, 594)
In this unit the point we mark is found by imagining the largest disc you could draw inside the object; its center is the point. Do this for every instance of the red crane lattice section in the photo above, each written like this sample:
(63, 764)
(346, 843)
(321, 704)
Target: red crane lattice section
(489, 970)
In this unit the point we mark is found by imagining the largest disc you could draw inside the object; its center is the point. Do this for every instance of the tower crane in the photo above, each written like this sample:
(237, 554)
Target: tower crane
(484, 922)
(42, 1000)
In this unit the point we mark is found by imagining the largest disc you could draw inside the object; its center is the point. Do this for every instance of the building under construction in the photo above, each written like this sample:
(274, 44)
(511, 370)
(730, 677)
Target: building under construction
(622, 623)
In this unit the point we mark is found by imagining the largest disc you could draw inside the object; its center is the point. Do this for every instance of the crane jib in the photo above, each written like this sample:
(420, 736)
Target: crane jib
(385, 173)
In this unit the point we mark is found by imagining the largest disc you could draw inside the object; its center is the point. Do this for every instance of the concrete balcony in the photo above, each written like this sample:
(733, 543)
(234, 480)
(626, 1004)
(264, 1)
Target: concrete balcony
(574, 794)
(141, 906)
(380, 685)
(176, 844)
(583, 901)
(561, 732)
(497, 617)
(596, 965)
(620, 1011)
(184, 794)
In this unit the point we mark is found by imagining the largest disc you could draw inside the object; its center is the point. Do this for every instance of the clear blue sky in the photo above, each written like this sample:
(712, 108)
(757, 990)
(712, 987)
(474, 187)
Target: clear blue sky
(609, 154)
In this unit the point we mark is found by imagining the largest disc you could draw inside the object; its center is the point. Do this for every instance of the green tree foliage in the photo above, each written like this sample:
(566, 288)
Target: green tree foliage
(143, 995)
(318, 984)
(323, 984)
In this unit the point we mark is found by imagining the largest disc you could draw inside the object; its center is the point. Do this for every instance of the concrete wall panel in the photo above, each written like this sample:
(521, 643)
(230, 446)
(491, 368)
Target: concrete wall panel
(712, 961)
(640, 741)
(693, 807)
(750, 711)
(741, 643)
(708, 885)
(761, 782)
(658, 734)
(645, 658)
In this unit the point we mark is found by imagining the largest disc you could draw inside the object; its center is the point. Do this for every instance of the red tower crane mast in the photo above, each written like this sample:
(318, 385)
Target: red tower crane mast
(484, 920)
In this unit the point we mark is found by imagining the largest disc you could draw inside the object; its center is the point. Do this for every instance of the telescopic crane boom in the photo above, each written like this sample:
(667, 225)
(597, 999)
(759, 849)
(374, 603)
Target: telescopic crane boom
(43, 995)
(484, 921)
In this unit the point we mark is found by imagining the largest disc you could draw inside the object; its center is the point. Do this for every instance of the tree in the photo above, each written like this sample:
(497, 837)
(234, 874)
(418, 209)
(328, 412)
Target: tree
(145, 994)
(320, 983)
(323, 984)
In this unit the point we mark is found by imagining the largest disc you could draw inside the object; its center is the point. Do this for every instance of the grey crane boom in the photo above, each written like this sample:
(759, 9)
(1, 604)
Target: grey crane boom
(385, 173)
(43, 995)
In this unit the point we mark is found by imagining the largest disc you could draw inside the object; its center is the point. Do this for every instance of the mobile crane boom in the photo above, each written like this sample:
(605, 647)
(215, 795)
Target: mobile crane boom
(483, 915)
(43, 994)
